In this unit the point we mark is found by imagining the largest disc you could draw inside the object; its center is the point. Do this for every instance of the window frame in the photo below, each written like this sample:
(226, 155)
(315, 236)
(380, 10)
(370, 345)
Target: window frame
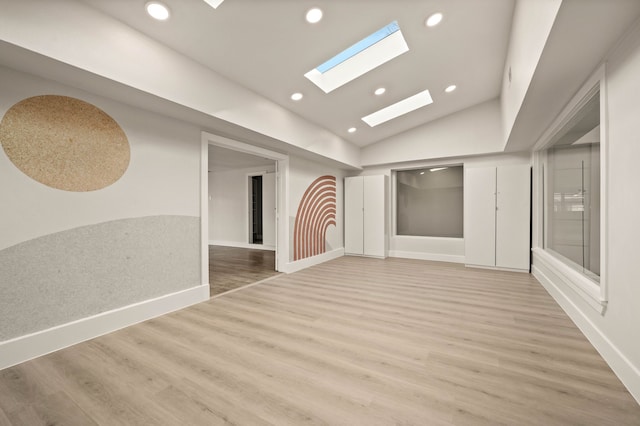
(394, 199)
(596, 295)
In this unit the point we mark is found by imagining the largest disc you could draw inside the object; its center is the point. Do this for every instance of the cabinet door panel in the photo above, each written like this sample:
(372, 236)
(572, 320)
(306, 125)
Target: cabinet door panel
(513, 217)
(353, 215)
(374, 215)
(480, 216)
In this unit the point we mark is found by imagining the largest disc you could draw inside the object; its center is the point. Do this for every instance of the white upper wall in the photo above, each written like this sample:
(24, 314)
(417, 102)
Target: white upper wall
(532, 23)
(473, 131)
(76, 34)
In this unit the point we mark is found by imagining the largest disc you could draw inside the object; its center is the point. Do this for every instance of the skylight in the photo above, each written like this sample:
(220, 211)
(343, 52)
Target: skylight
(367, 54)
(399, 108)
(214, 3)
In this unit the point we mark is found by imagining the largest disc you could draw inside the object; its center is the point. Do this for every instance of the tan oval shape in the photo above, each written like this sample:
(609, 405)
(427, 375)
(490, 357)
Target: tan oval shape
(65, 143)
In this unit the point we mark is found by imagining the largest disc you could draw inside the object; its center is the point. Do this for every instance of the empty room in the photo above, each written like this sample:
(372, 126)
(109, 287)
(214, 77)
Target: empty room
(290, 212)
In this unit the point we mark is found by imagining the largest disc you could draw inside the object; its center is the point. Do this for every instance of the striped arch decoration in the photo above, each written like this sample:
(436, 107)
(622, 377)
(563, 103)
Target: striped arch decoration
(316, 212)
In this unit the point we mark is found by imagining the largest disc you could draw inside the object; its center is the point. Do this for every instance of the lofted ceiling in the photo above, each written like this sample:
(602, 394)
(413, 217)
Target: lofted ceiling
(267, 47)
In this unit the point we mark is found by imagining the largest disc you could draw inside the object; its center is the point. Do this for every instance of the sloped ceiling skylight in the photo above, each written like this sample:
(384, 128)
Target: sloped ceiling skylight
(367, 54)
(399, 108)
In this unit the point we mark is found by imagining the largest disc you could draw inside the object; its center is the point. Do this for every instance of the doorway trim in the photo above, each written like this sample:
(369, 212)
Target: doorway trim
(282, 197)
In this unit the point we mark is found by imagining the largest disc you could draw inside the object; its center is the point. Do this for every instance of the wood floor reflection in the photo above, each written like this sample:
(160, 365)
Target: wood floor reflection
(233, 267)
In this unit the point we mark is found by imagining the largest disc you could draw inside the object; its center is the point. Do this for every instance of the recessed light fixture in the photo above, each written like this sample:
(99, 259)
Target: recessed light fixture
(296, 96)
(421, 173)
(433, 20)
(437, 169)
(380, 90)
(367, 54)
(399, 108)
(352, 130)
(157, 10)
(214, 3)
(314, 15)
(451, 88)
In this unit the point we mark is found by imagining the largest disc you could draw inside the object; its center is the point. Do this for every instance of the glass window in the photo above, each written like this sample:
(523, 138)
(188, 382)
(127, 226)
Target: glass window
(430, 202)
(572, 192)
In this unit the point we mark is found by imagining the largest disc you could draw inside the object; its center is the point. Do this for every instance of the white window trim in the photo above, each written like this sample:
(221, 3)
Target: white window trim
(596, 295)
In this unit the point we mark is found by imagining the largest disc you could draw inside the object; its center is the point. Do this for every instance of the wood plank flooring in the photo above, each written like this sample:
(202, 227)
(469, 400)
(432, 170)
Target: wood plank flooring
(354, 341)
(232, 267)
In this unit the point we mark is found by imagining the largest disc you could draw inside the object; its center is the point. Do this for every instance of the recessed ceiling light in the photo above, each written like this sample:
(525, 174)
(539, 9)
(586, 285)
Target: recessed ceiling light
(421, 173)
(437, 169)
(157, 10)
(314, 15)
(433, 20)
(399, 108)
(296, 96)
(451, 88)
(380, 90)
(367, 54)
(352, 130)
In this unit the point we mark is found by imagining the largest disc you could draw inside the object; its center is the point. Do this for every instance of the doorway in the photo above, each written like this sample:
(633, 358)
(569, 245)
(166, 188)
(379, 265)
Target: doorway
(237, 248)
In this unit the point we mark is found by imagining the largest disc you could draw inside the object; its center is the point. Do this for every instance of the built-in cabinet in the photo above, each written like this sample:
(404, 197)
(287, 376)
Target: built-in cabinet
(366, 229)
(497, 216)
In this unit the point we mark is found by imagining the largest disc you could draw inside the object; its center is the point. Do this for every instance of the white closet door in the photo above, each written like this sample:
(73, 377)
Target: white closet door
(512, 217)
(353, 215)
(480, 216)
(374, 215)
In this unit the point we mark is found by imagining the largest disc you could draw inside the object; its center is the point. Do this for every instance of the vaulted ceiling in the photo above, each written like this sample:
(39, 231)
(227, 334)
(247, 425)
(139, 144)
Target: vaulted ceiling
(267, 46)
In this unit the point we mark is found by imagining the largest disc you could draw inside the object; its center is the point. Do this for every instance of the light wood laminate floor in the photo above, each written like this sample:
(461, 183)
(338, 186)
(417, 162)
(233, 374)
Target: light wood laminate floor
(231, 267)
(354, 341)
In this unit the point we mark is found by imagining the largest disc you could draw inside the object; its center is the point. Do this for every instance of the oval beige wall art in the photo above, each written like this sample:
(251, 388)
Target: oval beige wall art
(65, 143)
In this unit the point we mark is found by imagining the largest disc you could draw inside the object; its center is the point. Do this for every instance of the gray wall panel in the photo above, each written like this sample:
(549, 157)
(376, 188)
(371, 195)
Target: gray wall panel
(84, 271)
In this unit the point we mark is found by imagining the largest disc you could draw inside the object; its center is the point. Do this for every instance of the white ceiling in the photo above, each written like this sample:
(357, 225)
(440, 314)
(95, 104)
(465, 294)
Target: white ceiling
(267, 46)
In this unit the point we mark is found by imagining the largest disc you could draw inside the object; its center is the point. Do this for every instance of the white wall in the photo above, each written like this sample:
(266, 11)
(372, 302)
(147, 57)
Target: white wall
(92, 41)
(229, 206)
(74, 265)
(532, 23)
(269, 209)
(430, 248)
(473, 131)
(615, 333)
(162, 177)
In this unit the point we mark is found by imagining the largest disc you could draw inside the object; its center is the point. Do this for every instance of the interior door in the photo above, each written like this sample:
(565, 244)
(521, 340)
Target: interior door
(374, 215)
(480, 216)
(513, 217)
(353, 215)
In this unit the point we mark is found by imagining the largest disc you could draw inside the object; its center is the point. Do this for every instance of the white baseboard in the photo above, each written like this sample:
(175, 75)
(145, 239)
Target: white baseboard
(311, 261)
(628, 373)
(24, 348)
(427, 256)
(241, 245)
(498, 268)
